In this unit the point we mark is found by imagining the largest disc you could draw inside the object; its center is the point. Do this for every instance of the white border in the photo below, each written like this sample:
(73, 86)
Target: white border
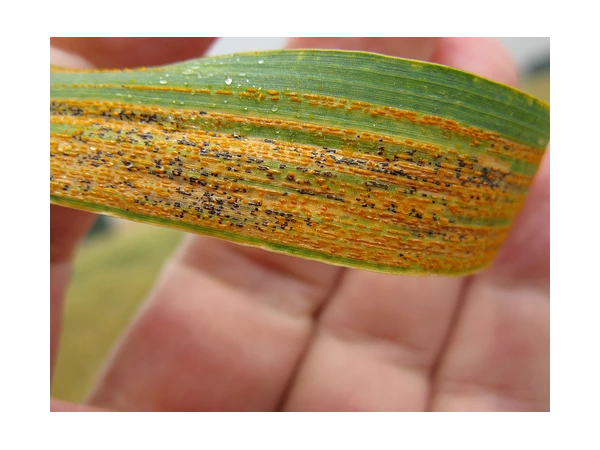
(575, 155)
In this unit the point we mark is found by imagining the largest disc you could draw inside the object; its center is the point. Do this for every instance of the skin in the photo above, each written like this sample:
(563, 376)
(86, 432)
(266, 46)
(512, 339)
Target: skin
(299, 335)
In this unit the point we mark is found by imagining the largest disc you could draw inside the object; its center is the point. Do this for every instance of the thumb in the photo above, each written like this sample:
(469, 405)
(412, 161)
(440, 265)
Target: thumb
(67, 227)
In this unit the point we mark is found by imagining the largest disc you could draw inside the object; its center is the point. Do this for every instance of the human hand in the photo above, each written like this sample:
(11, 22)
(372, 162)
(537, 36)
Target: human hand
(230, 327)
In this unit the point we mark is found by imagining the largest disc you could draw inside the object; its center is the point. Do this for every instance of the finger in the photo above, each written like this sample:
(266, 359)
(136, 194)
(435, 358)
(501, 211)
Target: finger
(67, 227)
(465, 54)
(223, 330)
(498, 355)
(132, 52)
(377, 340)
(206, 340)
(379, 335)
(412, 48)
(525, 256)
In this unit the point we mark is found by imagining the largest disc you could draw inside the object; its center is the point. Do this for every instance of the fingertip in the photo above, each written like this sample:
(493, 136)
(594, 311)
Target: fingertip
(486, 57)
(67, 227)
(63, 58)
(420, 48)
(133, 52)
(525, 255)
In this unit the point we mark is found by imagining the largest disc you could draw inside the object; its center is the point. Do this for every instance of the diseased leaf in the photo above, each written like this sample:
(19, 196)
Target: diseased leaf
(351, 158)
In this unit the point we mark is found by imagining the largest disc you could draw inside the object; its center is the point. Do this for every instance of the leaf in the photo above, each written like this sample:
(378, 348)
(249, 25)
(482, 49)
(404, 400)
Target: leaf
(350, 158)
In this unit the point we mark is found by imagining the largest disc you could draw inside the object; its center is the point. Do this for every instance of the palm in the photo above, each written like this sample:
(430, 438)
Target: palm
(236, 328)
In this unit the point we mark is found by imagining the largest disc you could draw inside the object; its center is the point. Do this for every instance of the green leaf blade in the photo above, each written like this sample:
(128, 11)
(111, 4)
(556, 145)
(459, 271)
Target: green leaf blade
(322, 154)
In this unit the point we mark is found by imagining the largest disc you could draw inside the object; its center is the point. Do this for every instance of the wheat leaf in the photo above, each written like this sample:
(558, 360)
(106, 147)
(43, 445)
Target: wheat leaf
(351, 158)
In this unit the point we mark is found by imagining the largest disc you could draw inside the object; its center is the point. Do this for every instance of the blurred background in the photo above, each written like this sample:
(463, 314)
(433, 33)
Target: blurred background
(119, 260)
